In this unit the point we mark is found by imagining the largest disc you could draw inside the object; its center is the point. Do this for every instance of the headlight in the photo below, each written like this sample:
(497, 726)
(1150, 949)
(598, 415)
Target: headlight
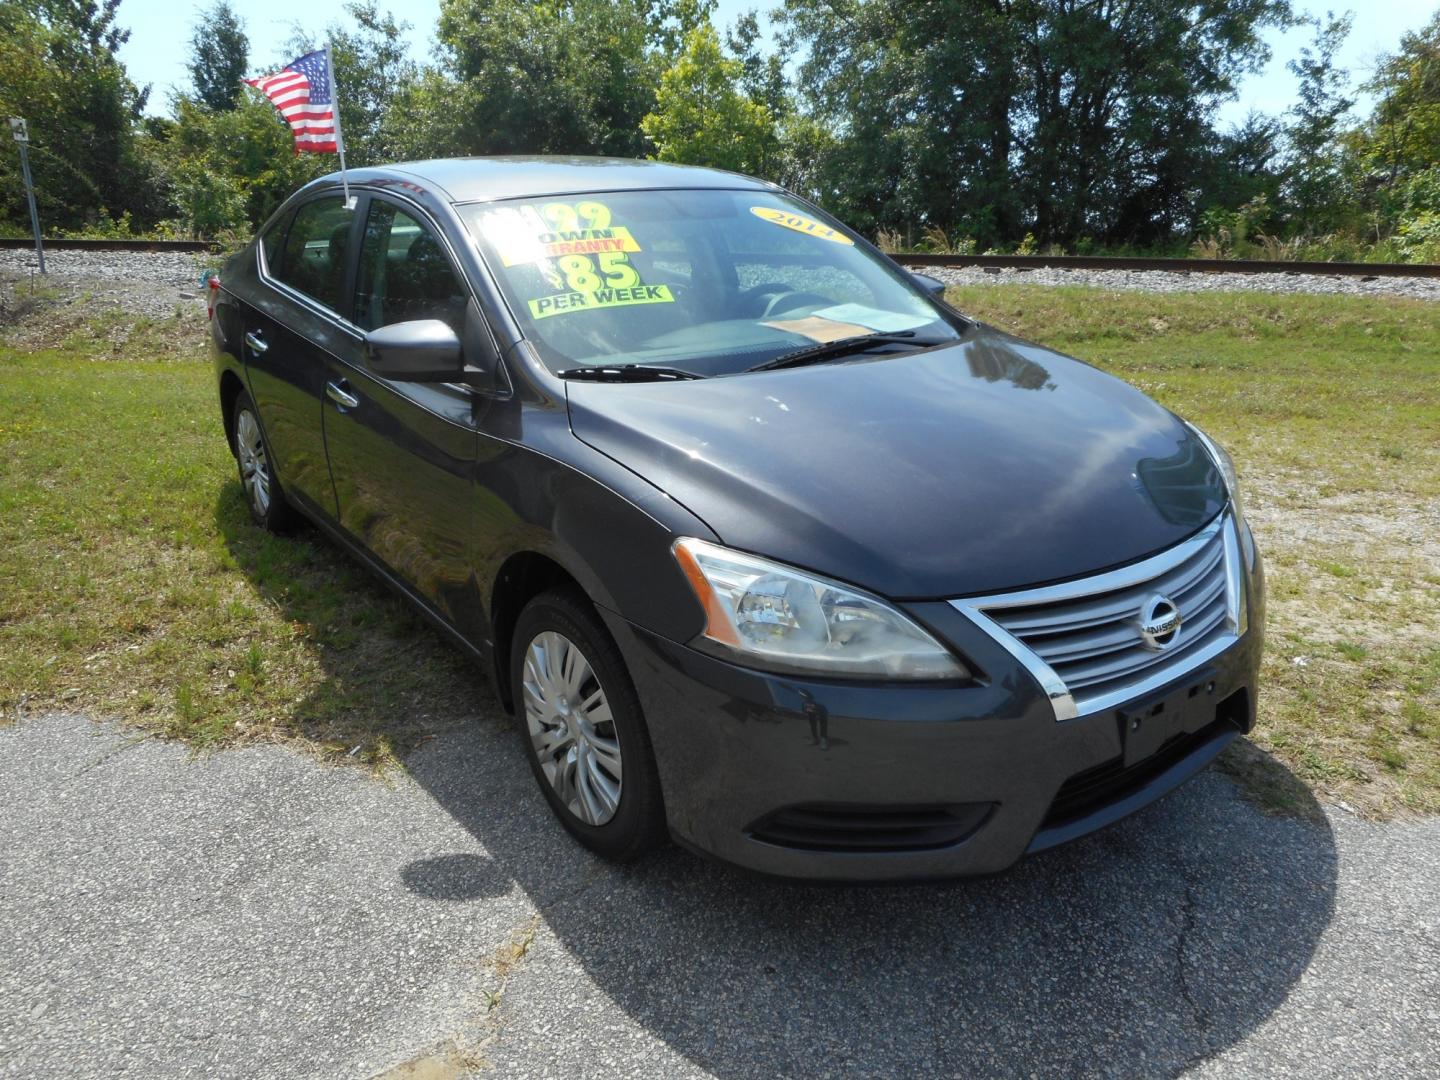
(1227, 472)
(778, 617)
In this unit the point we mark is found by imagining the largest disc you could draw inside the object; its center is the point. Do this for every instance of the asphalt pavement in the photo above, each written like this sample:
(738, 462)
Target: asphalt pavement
(255, 913)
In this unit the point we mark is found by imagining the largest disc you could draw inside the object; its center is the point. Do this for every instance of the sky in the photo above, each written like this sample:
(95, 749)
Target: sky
(160, 34)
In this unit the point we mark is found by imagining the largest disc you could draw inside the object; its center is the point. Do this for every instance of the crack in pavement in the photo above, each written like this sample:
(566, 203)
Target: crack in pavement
(109, 755)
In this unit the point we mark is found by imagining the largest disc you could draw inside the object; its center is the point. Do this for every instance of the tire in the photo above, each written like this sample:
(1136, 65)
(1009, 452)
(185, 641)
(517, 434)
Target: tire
(571, 752)
(258, 480)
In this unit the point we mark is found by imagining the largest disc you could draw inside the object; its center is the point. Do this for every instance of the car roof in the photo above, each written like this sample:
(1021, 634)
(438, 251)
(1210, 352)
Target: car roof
(477, 179)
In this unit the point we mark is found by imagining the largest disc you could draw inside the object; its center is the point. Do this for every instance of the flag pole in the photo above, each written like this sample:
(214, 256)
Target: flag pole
(339, 138)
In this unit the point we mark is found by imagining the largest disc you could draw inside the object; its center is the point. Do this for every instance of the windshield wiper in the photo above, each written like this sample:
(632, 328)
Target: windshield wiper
(825, 350)
(629, 373)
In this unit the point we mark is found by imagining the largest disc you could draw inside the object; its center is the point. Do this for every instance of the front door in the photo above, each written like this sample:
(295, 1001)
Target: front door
(402, 454)
(292, 326)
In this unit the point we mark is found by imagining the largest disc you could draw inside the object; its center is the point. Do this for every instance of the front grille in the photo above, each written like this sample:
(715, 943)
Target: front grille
(1083, 639)
(870, 828)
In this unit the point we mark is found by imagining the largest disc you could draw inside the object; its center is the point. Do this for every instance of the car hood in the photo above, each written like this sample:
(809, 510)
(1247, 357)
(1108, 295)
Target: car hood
(988, 465)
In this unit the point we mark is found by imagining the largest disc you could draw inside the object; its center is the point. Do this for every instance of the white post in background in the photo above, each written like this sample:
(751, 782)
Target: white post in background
(21, 131)
(339, 138)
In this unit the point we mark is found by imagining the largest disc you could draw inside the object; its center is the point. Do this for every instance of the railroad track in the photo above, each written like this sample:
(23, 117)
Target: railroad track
(1175, 266)
(999, 262)
(11, 244)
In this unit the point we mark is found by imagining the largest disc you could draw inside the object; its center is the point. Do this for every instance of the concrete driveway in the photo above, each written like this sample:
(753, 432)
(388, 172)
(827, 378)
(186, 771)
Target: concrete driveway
(253, 913)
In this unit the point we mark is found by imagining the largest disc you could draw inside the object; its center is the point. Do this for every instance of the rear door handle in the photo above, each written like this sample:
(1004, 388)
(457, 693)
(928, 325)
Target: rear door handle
(256, 342)
(339, 393)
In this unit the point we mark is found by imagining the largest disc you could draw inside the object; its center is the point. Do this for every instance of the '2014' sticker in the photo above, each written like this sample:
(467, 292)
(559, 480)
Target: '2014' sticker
(800, 224)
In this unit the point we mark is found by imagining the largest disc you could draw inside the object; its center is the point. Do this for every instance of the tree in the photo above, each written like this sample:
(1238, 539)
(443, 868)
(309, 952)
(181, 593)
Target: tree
(224, 170)
(997, 117)
(219, 57)
(1402, 136)
(545, 76)
(702, 118)
(58, 69)
(1397, 151)
(1314, 186)
(762, 75)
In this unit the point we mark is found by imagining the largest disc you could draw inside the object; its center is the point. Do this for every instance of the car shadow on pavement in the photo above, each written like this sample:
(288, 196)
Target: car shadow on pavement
(1138, 951)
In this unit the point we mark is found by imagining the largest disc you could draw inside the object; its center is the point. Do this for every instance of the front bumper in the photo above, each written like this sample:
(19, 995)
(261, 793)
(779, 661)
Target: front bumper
(920, 781)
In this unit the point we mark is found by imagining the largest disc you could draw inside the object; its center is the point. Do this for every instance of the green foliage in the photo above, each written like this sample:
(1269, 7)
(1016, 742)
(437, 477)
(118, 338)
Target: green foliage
(1043, 123)
(58, 69)
(701, 115)
(1034, 114)
(219, 56)
(762, 75)
(1315, 186)
(1403, 135)
(211, 203)
(226, 170)
(542, 76)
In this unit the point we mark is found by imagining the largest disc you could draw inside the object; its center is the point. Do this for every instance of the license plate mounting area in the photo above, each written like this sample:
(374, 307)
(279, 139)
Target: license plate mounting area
(1181, 708)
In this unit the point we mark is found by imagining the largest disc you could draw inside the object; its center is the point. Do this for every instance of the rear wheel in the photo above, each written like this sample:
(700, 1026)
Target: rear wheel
(263, 494)
(582, 727)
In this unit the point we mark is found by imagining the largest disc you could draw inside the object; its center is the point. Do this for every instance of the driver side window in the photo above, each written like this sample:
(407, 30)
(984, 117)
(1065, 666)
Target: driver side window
(404, 273)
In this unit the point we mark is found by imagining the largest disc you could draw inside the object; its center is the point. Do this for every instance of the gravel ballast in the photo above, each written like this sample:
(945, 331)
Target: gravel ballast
(151, 284)
(1166, 281)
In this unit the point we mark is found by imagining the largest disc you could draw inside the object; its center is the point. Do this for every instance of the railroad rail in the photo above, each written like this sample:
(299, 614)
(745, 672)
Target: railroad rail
(1175, 266)
(11, 244)
(999, 262)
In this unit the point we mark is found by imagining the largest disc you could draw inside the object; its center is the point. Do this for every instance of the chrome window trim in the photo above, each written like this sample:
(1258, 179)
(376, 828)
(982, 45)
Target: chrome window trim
(262, 271)
(1062, 701)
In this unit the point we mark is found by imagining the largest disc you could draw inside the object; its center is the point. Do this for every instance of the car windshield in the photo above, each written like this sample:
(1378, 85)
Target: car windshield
(710, 282)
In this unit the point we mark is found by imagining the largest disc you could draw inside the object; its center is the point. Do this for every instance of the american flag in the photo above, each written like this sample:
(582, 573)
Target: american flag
(305, 98)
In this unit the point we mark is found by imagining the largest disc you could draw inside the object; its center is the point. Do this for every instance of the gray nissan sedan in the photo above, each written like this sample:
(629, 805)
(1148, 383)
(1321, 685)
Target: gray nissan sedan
(767, 548)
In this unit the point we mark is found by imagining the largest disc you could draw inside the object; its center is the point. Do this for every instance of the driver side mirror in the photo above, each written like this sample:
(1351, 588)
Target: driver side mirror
(428, 350)
(423, 350)
(932, 286)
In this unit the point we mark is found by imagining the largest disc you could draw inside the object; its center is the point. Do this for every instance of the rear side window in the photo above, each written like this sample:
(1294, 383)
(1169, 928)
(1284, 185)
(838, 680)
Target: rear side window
(314, 260)
(271, 241)
(404, 273)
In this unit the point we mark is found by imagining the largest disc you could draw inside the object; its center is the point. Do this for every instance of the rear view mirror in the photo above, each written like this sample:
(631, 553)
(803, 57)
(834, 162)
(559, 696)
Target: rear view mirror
(425, 350)
(932, 286)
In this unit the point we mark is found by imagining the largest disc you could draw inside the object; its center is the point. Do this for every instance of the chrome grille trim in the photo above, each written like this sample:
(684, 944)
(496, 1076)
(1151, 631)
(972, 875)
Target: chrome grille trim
(1080, 641)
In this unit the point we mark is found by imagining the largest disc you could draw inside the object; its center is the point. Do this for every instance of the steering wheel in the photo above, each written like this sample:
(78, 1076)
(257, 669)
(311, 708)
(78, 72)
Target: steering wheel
(787, 300)
(746, 298)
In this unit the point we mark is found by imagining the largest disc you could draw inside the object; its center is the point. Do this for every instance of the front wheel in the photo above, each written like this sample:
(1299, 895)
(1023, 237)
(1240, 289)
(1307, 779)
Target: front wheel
(583, 730)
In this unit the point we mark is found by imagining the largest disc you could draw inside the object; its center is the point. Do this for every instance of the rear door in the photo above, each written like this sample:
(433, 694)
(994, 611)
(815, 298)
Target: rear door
(402, 454)
(297, 323)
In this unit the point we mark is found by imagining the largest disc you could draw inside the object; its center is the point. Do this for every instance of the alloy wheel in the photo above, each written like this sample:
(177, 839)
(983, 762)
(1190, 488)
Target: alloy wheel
(254, 465)
(572, 731)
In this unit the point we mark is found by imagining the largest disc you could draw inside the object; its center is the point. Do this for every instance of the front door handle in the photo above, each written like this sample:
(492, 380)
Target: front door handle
(339, 393)
(256, 342)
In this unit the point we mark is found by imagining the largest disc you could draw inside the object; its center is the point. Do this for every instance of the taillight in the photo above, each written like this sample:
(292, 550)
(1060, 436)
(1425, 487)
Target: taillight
(212, 285)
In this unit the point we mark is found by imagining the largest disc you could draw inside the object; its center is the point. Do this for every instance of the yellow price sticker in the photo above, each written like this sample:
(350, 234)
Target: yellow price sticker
(564, 303)
(577, 242)
(800, 224)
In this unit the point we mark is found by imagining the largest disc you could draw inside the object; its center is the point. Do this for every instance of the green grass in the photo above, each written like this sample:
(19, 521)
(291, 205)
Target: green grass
(1331, 408)
(135, 585)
